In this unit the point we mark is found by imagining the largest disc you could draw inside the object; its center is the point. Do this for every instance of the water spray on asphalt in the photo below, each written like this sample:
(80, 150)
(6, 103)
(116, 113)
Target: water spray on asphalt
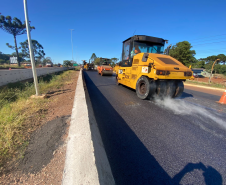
(181, 107)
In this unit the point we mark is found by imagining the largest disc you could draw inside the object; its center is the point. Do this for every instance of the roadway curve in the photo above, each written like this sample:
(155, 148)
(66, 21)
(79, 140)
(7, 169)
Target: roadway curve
(180, 141)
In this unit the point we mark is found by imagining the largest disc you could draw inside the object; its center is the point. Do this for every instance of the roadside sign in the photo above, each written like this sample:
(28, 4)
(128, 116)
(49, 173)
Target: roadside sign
(13, 60)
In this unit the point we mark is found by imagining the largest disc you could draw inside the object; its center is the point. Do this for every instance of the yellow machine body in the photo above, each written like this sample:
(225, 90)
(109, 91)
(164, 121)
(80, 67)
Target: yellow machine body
(152, 68)
(86, 66)
(115, 69)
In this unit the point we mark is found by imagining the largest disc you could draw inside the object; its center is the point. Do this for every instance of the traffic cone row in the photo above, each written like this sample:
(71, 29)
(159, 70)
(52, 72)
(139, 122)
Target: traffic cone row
(223, 98)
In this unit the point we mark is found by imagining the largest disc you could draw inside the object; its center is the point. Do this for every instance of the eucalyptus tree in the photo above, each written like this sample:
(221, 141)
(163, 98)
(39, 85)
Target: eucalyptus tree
(14, 27)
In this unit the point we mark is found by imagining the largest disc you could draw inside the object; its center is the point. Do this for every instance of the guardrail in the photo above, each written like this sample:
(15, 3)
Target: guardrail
(16, 75)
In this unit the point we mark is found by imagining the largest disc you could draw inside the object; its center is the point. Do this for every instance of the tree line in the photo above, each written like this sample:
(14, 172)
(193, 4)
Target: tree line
(96, 60)
(182, 51)
(15, 27)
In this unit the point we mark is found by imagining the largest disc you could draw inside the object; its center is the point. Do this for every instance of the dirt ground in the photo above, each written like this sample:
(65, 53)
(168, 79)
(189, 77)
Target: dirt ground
(218, 80)
(43, 161)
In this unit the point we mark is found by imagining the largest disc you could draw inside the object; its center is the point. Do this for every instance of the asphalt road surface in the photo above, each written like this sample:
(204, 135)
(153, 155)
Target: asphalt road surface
(179, 141)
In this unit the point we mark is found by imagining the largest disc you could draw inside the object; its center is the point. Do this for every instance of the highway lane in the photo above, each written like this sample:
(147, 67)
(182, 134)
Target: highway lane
(178, 141)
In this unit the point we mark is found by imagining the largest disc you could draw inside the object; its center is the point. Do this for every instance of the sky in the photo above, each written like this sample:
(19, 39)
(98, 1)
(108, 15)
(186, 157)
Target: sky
(100, 26)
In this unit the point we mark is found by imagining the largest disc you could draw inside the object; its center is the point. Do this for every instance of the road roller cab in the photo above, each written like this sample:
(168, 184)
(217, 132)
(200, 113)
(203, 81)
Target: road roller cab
(105, 67)
(145, 68)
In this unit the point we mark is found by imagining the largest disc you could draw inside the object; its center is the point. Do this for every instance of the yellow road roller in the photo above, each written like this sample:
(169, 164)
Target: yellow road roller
(146, 69)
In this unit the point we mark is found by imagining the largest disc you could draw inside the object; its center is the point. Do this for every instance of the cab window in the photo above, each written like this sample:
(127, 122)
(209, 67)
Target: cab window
(126, 47)
(145, 47)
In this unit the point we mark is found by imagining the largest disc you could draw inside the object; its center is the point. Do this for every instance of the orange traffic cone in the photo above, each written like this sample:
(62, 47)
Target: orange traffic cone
(223, 98)
(10, 68)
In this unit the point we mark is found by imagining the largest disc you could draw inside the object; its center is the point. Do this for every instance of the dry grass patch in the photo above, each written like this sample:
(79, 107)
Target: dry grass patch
(11, 66)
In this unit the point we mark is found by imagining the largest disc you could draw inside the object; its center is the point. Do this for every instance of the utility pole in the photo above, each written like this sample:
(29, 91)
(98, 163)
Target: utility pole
(31, 48)
(72, 44)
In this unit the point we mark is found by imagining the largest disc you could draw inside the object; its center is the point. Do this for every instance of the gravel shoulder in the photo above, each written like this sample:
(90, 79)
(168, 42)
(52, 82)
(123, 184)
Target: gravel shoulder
(43, 160)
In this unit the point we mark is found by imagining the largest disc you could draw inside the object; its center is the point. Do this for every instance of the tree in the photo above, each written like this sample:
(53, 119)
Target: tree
(93, 57)
(12, 47)
(49, 59)
(4, 58)
(208, 66)
(222, 58)
(211, 58)
(209, 63)
(45, 60)
(113, 61)
(199, 64)
(223, 69)
(67, 63)
(15, 28)
(217, 68)
(97, 61)
(37, 48)
(183, 53)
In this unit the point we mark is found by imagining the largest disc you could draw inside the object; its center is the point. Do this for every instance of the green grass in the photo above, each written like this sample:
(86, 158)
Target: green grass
(215, 85)
(17, 108)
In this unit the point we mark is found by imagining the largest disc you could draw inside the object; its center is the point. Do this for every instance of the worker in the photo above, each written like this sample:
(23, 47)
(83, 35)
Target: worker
(135, 51)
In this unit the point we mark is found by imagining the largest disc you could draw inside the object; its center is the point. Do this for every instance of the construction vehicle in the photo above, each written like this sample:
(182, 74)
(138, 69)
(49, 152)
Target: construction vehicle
(146, 69)
(116, 67)
(105, 67)
(85, 65)
(88, 66)
(91, 66)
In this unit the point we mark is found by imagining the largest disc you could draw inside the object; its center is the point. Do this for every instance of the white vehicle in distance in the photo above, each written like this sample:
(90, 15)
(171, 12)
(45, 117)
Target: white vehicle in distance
(49, 64)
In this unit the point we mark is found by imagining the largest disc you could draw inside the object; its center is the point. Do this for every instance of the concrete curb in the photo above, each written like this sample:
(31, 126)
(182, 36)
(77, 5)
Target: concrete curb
(212, 88)
(85, 147)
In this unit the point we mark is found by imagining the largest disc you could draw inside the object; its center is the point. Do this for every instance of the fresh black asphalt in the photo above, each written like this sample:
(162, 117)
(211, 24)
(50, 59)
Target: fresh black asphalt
(181, 141)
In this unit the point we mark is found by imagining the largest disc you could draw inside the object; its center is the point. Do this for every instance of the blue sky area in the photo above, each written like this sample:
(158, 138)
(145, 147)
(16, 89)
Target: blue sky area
(100, 26)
